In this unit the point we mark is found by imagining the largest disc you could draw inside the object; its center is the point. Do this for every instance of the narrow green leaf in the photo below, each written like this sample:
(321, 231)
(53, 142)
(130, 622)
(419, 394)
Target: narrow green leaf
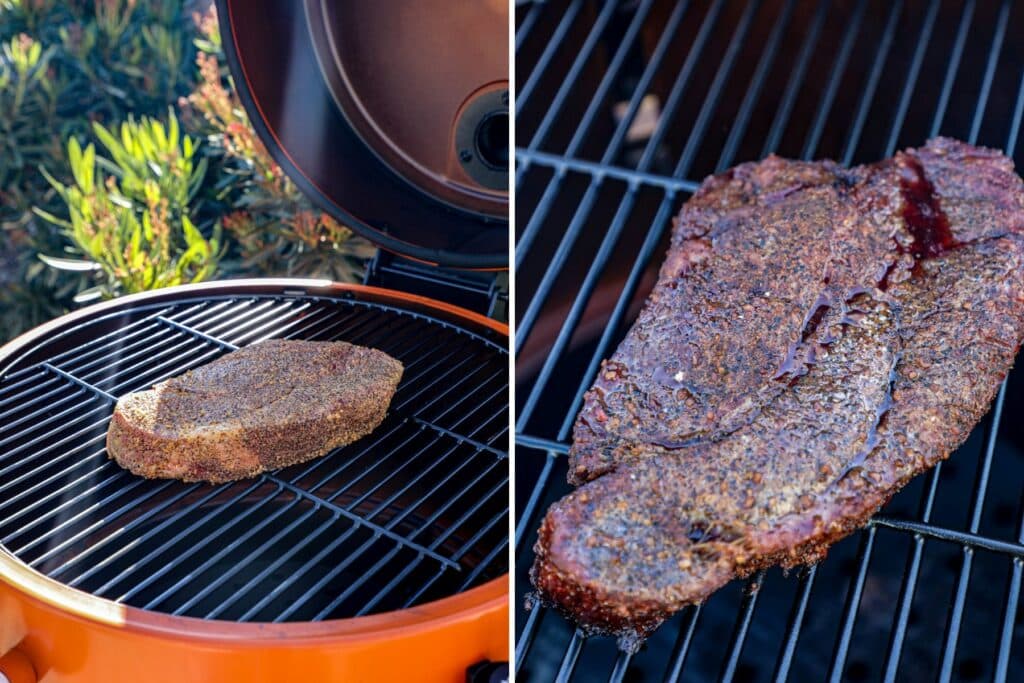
(67, 264)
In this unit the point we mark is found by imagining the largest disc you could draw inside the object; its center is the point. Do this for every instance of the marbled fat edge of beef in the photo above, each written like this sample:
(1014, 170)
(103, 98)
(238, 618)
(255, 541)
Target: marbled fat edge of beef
(817, 337)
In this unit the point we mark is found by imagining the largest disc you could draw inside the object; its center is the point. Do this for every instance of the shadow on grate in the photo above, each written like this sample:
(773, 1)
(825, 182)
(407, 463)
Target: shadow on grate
(411, 513)
(622, 108)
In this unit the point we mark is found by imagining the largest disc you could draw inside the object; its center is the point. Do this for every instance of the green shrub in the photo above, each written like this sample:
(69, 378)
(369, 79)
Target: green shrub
(132, 227)
(65, 64)
(72, 70)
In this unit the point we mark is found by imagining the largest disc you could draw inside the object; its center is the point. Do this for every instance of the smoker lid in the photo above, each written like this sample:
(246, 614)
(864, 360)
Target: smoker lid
(393, 117)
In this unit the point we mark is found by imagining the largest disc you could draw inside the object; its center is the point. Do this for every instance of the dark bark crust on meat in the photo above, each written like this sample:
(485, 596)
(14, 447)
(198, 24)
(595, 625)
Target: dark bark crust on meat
(817, 337)
(270, 405)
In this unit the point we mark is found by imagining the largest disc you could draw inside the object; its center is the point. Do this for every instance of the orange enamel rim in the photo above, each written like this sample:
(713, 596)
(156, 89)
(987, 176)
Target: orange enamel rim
(478, 601)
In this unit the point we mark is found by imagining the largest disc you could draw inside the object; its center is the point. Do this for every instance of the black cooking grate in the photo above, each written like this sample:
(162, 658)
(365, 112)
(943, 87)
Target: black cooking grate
(414, 512)
(622, 108)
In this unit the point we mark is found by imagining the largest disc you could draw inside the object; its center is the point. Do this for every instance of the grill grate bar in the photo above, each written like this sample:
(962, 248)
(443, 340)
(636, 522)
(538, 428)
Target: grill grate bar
(281, 587)
(739, 126)
(611, 75)
(379, 461)
(620, 667)
(954, 64)
(197, 334)
(255, 581)
(951, 535)
(956, 615)
(396, 472)
(980, 489)
(557, 40)
(357, 520)
(496, 552)
(147, 352)
(524, 29)
(88, 348)
(126, 548)
(524, 641)
(563, 164)
(571, 656)
(853, 596)
(268, 319)
(796, 79)
(892, 663)
(25, 379)
(614, 146)
(327, 579)
(42, 410)
(172, 367)
(739, 637)
(465, 516)
(571, 234)
(572, 77)
(116, 495)
(220, 554)
(66, 504)
(35, 426)
(36, 386)
(434, 382)
(835, 76)
(990, 71)
(256, 552)
(210, 515)
(127, 528)
(714, 94)
(909, 583)
(423, 589)
(579, 304)
(911, 82)
(488, 526)
(375, 600)
(682, 646)
(176, 369)
(795, 624)
(347, 593)
(40, 467)
(527, 514)
(151, 336)
(853, 137)
(491, 399)
(1009, 622)
(541, 444)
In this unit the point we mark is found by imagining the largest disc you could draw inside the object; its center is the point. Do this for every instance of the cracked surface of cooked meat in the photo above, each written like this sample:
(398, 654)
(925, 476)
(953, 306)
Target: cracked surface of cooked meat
(269, 405)
(817, 337)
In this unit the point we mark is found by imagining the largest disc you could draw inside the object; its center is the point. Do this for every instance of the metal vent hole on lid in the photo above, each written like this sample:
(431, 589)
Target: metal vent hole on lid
(622, 109)
(411, 513)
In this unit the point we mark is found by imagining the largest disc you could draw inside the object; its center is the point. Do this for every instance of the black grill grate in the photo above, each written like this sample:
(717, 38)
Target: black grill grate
(409, 514)
(622, 108)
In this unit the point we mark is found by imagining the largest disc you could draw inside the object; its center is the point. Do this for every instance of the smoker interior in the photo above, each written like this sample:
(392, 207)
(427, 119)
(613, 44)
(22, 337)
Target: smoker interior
(411, 513)
(622, 109)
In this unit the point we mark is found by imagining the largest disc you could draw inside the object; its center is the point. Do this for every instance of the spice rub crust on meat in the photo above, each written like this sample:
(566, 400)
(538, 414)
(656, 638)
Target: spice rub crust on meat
(817, 337)
(269, 405)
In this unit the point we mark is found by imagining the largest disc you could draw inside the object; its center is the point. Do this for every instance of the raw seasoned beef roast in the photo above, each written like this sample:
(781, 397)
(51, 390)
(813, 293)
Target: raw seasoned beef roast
(265, 406)
(817, 337)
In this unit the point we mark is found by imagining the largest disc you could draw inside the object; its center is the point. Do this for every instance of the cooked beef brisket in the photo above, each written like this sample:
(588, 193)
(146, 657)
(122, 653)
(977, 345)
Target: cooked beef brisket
(817, 337)
(266, 406)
